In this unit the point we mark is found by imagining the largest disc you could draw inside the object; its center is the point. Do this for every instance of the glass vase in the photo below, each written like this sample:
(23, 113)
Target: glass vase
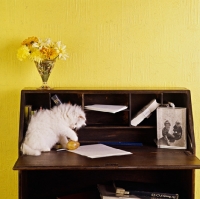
(44, 68)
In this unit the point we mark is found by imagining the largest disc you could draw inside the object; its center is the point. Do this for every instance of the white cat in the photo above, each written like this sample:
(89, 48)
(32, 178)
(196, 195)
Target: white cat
(47, 127)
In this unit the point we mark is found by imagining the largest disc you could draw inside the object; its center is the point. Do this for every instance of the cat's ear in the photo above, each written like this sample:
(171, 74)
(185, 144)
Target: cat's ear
(81, 117)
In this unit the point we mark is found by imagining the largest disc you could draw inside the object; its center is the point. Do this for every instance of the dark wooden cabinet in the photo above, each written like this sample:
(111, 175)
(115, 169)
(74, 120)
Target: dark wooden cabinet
(60, 173)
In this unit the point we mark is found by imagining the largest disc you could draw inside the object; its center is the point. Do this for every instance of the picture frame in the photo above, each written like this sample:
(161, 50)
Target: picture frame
(171, 128)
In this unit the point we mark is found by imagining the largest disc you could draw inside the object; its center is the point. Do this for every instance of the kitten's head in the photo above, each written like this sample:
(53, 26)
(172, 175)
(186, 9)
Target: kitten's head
(76, 117)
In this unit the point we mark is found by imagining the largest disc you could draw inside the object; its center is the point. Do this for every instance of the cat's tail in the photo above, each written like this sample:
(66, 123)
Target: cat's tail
(29, 151)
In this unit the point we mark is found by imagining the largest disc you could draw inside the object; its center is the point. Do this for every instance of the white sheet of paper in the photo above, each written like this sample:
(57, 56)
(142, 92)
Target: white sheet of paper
(106, 108)
(99, 150)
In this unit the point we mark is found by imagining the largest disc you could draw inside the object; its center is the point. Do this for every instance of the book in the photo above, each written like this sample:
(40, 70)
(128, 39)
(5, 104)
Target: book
(98, 151)
(107, 191)
(106, 108)
(145, 112)
(171, 128)
(142, 189)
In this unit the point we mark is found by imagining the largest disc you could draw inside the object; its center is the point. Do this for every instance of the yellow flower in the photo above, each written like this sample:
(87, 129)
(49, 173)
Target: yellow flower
(49, 53)
(30, 41)
(23, 53)
(37, 56)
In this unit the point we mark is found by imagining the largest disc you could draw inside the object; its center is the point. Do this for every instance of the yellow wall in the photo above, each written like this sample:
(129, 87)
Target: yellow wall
(111, 43)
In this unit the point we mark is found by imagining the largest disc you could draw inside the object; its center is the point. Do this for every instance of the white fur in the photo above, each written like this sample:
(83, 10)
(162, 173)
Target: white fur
(47, 127)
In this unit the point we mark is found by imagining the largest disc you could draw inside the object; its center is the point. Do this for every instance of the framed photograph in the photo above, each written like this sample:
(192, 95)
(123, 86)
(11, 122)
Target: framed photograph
(171, 128)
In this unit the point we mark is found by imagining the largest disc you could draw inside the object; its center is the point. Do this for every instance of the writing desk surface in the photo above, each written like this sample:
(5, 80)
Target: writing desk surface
(141, 158)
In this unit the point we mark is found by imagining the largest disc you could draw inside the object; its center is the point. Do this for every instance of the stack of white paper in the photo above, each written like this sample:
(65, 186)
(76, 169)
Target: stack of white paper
(106, 108)
(99, 150)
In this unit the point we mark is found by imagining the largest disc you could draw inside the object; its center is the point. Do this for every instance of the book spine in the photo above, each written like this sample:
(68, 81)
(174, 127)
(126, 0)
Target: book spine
(56, 100)
(153, 194)
(27, 113)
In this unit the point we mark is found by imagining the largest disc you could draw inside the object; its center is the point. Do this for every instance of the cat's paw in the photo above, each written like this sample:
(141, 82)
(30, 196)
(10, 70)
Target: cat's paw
(75, 138)
(26, 150)
(37, 153)
(72, 136)
(47, 149)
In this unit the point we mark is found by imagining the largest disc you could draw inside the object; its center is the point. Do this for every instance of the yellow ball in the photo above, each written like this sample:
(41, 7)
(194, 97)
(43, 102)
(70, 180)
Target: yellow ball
(71, 145)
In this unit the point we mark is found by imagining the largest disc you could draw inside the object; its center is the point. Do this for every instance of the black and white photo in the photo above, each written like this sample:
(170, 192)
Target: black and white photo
(171, 127)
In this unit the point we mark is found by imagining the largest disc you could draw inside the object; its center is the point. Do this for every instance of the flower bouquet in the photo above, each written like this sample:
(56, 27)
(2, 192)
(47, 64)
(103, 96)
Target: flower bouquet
(44, 53)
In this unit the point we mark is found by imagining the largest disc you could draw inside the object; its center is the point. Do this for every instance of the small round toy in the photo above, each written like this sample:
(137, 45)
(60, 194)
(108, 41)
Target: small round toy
(72, 145)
